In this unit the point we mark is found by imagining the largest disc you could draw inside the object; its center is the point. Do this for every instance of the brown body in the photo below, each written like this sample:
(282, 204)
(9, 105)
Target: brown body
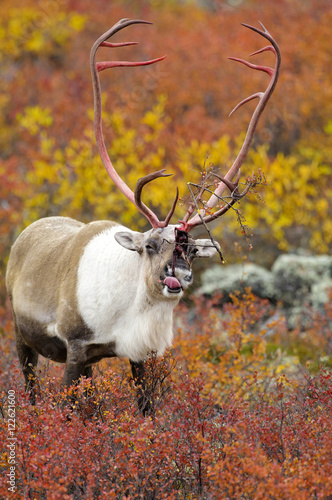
(41, 281)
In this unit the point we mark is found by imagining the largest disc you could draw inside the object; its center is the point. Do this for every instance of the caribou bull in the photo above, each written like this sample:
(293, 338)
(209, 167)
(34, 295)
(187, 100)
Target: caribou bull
(83, 292)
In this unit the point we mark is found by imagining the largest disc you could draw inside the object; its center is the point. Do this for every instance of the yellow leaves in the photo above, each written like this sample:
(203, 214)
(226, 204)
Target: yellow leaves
(15, 25)
(115, 121)
(34, 118)
(77, 184)
(37, 30)
(328, 128)
(197, 154)
(322, 207)
(297, 194)
(77, 21)
(150, 119)
(155, 119)
(45, 174)
(34, 207)
(35, 43)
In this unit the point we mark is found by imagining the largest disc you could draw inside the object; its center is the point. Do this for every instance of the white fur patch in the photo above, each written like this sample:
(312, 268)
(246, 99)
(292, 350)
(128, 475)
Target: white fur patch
(114, 302)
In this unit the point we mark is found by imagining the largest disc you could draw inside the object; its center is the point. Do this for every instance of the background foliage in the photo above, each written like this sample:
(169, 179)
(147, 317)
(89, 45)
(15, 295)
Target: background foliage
(171, 115)
(246, 409)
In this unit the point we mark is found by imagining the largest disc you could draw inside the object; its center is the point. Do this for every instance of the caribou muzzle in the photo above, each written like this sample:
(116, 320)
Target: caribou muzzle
(177, 279)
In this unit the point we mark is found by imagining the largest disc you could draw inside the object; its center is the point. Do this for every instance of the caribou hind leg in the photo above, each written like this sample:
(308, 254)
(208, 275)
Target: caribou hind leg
(28, 358)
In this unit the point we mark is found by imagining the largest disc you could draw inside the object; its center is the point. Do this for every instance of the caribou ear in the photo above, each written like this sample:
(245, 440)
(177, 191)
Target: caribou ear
(130, 240)
(204, 248)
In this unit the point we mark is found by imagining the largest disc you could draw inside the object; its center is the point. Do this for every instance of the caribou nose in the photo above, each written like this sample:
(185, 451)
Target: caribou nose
(189, 277)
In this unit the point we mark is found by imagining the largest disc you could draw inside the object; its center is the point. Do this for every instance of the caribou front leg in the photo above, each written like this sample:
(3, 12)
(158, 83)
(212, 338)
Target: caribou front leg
(76, 365)
(139, 374)
(75, 369)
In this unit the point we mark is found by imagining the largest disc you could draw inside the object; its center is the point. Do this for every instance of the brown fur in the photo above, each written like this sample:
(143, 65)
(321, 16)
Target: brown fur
(38, 249)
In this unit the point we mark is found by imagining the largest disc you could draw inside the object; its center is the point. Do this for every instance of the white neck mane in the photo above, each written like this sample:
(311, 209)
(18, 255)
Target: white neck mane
(114, 302)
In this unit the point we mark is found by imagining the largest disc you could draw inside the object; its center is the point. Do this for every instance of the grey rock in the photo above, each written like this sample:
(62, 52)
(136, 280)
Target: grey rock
(320, 293)
(294, 277)
(299, 282)
(228, 279)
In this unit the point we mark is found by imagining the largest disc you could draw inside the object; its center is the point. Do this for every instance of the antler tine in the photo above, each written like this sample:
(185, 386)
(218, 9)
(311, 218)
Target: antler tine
(138, 191)
(135, 198)
(235, 168)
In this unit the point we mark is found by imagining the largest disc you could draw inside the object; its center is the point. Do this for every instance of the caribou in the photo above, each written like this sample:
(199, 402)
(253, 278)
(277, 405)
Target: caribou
(83, 292)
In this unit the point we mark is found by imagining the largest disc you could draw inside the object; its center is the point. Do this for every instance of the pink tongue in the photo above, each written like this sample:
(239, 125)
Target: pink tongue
(172, 283)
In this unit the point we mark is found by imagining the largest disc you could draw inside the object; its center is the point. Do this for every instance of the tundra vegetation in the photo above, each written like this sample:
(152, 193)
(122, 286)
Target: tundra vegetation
(242, 404)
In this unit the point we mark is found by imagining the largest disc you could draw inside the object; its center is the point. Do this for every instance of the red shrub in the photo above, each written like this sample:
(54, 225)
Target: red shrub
(275, 444)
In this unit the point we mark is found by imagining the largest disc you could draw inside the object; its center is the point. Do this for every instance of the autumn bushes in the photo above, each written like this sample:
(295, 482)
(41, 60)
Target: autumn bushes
(241, 409)
(231, 419)
(275, 444)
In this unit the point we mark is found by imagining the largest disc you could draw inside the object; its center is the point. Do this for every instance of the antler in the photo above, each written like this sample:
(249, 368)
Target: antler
(135, 198)
(205, 214)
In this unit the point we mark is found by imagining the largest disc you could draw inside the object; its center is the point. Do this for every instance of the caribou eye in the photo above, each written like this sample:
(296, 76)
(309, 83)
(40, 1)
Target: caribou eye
(151, 247)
